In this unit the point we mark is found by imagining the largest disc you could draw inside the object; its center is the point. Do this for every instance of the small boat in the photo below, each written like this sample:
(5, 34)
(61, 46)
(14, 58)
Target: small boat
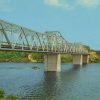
(35, 67)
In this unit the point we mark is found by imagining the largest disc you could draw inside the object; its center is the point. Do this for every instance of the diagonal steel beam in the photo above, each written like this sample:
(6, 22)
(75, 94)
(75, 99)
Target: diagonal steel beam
(8, 41)
(25, 36)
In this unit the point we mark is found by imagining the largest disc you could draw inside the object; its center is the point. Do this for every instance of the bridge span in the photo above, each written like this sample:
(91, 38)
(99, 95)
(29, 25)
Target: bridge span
(17, 38)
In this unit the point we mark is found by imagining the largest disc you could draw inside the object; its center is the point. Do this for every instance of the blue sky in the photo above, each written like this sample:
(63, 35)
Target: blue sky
(77, 20)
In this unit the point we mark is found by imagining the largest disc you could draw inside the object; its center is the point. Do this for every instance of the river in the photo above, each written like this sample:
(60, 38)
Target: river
(29, 83)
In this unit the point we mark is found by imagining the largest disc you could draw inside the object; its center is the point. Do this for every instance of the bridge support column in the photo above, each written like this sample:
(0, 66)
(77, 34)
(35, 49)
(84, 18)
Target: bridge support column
(52, 62)
(85, 59)
(77, 59)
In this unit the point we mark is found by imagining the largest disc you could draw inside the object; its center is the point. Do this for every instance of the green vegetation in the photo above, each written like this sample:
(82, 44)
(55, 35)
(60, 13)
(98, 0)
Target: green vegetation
(87, 47)
(2, 93)
(13, 56)
(23, 57)
(39, 57)
(66, 58)
(19, 57)
(10, 97)
(94, 57)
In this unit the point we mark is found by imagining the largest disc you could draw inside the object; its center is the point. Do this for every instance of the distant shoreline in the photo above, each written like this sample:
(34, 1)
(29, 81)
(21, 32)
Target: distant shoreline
(23, 61)
(36, 62)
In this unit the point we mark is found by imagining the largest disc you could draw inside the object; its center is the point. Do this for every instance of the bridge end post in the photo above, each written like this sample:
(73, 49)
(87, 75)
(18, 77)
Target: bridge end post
(52, 62)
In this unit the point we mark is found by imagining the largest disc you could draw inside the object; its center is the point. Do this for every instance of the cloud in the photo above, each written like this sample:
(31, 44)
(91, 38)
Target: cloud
(5, 6)
(89, 3)
(72, 4)
(59, 3)
(52, 2)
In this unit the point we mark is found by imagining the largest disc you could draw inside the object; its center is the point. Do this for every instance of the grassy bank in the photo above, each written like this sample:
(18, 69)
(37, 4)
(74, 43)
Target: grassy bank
(13, 56)
(23, 57)
(39, 57)
(9, 97)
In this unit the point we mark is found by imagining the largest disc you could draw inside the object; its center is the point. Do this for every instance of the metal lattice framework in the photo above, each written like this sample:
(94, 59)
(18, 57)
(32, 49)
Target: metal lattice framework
(16, 38)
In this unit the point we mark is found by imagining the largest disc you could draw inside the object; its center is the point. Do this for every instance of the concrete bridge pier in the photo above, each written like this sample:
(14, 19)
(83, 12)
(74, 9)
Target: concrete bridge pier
(85, 58)
(77, 59)
(80, 59)
(52, 62)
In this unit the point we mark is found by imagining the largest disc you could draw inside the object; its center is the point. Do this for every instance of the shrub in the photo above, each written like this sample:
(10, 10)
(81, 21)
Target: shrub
(2, 93)
(11, 97)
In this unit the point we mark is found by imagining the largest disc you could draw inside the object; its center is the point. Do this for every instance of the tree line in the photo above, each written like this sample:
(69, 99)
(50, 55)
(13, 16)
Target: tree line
(6, 56)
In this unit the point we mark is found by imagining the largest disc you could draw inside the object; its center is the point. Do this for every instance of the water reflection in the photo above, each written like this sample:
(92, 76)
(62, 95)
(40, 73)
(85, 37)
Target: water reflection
(46, 89)
(52, 86)
(77, 66)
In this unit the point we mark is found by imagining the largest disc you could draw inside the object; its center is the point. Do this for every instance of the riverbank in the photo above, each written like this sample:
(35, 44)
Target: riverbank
(3, 97)
(18, 57)
(23, 57)
(39, 57)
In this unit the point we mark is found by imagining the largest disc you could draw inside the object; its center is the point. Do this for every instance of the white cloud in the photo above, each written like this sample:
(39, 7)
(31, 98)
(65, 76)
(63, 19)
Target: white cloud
(72, 4)
(5, 6)
(52, 2)
(89, 3)
(59, 3)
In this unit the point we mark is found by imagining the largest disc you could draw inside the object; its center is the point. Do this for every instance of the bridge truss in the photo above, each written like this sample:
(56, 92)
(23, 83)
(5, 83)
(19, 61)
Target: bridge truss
(16, 38)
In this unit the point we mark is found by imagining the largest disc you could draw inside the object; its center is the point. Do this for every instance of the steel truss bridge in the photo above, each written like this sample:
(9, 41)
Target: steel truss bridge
(16, 38)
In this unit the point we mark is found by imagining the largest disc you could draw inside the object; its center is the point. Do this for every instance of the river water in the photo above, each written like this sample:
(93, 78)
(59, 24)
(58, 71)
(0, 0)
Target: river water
(29, 83)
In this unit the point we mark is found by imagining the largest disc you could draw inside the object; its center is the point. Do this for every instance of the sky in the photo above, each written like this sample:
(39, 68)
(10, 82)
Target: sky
(76, 20)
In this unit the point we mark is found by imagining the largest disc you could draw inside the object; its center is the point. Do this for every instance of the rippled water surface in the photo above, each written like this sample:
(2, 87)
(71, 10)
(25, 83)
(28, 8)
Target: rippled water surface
(32, 83)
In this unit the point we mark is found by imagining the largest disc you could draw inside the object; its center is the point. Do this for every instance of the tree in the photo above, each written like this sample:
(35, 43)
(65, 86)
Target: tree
(87, 47)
